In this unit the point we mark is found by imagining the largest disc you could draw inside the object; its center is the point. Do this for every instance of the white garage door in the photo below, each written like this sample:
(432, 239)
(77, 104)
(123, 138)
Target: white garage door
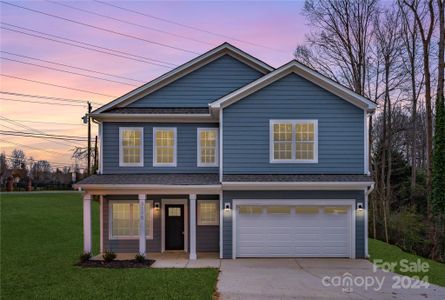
(293, 231)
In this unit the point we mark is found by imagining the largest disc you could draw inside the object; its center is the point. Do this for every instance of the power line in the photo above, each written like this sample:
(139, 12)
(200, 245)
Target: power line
(101, 28)
(73, 67)
(187, 26)
(40, 102)
(48, 97)
(57, 142)
(31, 147)
(130, 23)
(133, 57)
(15, 123)
(56, 85)
(53, 123)
(43, 136)
(65, 71)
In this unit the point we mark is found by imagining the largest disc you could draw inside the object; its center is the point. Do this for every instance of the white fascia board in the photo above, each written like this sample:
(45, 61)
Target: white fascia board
(110, 117)
(227, 186)
(185, 69)
(145, 186)
(305, 72)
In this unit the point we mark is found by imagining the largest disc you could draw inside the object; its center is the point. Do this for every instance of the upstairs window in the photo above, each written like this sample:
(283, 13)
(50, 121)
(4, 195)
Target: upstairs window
(293, 141)
(207, 147)
(164, 147)
(131, 146)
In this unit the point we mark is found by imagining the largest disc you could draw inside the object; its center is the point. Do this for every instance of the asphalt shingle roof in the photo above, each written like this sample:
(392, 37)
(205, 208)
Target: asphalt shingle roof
(296, 178)
(159, 110)
(164, 179)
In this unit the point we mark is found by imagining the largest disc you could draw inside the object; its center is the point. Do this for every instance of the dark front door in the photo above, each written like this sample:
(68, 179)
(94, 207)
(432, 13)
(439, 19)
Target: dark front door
(174, 227)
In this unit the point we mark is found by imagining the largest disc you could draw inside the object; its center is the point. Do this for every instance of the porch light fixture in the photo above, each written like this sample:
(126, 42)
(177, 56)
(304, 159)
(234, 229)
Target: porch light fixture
(227, 206)
(157, 205)
(360, 206)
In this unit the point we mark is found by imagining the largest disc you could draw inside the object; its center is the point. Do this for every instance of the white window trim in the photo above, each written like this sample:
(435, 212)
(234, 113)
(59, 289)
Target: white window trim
(198, 147)
(148, 235)
(293, 160)
(121, 150)
(175, 147)
(198, 216)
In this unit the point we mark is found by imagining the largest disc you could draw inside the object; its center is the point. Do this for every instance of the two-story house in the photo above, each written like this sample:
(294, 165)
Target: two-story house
(227, 154)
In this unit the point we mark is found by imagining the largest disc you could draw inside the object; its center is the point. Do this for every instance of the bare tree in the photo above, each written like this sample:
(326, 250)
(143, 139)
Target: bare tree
(425, 18)
(339, 47)
(410, 35)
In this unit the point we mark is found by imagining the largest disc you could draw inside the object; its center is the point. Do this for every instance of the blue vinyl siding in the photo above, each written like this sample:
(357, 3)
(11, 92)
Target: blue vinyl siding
(186, 149)
(246, 129)
(203, 85)
(228, 196)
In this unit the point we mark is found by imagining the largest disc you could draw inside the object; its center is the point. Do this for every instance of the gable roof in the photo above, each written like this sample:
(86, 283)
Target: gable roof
(192, 65)
(303, 71)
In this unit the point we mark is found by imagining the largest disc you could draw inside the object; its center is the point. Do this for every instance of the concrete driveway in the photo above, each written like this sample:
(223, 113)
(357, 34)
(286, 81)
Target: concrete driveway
(306, 279)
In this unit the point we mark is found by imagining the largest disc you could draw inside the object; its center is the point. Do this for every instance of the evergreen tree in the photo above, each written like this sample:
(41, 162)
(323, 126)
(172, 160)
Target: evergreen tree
(438, 191)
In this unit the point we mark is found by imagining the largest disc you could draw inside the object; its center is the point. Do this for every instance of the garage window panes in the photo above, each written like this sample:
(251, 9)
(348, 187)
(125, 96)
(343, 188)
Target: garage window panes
(124, 220)
(131, 146)
(207, 147)
(250, 210)
(307, 210)
(164, 147)
(293, 141)
(335, 210)
(208, 212)
(279, 209)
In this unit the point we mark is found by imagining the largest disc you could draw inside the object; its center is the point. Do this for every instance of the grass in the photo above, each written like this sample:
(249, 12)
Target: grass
(390, 253)
(41, 239)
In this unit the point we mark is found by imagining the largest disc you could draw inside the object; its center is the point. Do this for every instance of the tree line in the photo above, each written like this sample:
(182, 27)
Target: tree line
(24, 173)
(393, 54)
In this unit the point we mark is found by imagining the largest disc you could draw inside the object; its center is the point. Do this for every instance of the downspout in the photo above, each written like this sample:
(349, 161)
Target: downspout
(367, 192)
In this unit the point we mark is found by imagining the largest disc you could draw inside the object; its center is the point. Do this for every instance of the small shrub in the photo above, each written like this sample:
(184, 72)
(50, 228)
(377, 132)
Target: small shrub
(139, 258)
(85, 257)
(109, 256)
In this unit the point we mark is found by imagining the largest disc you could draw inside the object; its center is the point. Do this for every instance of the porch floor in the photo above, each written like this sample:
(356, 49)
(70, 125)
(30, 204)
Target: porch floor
(175, 259)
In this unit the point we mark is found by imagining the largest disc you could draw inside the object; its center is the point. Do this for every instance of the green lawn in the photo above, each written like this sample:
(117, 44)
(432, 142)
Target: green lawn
(41, 239)
(390, 253)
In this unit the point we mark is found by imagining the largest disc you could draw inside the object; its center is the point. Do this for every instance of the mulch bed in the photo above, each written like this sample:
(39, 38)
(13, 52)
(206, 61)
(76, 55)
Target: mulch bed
(116, 264)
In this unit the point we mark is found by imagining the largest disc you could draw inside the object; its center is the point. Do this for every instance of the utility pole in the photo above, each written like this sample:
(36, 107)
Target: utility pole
(89, 139)
(87, 120)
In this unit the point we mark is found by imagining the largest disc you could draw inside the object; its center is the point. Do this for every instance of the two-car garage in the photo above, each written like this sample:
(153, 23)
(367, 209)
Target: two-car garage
(293, 228)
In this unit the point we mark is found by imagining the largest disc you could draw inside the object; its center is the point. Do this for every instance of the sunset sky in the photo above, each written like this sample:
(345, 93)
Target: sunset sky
(267, 30)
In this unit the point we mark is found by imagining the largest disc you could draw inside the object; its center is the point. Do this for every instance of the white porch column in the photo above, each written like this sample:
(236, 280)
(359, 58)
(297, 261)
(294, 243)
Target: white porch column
(192, 198)
(142, 239)
(87, 223)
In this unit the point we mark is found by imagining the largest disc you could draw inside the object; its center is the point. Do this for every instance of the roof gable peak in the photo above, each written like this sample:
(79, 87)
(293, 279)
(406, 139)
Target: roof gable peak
(184, 69)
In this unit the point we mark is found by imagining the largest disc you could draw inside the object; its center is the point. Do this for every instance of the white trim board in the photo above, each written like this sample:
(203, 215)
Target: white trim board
(185, 69)
(227, 186)
(303, 71)
(186, 221)
(313, 202)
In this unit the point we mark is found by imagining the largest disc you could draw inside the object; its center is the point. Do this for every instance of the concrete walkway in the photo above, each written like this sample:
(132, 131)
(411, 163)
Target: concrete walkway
(181, 260)
(303, 279)
(175, 259)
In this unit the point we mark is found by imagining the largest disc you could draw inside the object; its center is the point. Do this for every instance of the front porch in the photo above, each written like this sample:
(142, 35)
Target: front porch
(155, 220)
(175, 259)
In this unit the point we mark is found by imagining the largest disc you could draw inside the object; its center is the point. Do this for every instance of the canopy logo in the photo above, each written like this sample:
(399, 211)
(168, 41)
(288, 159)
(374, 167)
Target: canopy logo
(347, 282)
